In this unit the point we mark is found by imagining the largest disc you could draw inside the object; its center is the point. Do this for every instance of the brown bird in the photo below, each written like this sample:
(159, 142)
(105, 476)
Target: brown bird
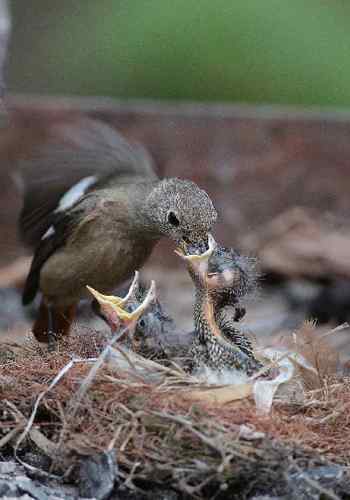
(94, 209)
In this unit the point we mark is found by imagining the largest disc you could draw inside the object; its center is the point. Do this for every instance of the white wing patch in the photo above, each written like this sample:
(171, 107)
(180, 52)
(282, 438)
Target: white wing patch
(70, 198)
(48, 233)
(75, 192)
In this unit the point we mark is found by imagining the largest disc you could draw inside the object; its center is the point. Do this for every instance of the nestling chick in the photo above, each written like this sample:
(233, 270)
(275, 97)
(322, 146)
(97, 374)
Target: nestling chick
(158, 337)
(221, 276)
(94, 209)
(123, 314)
(155, 335)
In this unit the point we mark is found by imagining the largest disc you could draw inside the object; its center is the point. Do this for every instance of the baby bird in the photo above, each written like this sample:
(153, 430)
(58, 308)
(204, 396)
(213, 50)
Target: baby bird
(221, 277)
(155, 335)
(122, 314)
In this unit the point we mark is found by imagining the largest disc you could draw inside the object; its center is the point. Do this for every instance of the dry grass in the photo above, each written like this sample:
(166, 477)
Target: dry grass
(70, 408)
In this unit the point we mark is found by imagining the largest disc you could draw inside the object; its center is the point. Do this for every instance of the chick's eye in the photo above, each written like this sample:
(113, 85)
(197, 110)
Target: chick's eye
(142, 323)
(173, 220)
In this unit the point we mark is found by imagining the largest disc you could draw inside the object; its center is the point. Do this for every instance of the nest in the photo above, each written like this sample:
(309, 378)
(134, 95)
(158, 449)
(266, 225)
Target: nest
(67, 406)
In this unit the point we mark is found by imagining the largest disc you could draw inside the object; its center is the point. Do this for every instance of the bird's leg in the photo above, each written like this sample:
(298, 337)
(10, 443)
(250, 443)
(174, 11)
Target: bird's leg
(51, 335)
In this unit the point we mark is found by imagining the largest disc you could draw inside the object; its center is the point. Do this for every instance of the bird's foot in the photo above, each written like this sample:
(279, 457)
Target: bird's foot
(51, 341)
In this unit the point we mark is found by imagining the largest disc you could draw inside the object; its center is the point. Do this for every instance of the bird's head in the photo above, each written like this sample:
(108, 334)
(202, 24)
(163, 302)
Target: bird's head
(139, 313)
(124, 313)
(197, 260)
(149, 336)
(222, 272)
(180, 210)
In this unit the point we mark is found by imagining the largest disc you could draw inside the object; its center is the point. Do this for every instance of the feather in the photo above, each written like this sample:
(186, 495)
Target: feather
(62, 226)
(314, 347)
(73, 151)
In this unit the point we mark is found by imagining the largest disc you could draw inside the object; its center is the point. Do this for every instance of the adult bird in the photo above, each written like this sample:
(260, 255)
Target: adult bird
(93, 210)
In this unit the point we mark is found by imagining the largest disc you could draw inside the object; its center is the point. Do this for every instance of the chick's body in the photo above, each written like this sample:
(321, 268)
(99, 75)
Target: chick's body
(221, 277)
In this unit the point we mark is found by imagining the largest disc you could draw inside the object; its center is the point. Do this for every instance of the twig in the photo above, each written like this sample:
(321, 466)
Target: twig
(334, 414)
(272, 364)
(74, 402)
(129, 479)
(189, 426)
(30, 421)
(337, 329)
(58, 377)
(10, 435)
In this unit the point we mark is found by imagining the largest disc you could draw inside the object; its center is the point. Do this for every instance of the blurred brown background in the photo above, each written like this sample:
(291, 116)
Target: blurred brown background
(255, 164)
(278, 175)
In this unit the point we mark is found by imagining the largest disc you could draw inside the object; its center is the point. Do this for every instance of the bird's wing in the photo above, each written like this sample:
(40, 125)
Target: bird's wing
(54, 238)
(77, 155)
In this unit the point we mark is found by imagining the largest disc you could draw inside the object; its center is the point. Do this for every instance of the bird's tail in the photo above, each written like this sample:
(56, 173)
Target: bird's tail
(60, 323)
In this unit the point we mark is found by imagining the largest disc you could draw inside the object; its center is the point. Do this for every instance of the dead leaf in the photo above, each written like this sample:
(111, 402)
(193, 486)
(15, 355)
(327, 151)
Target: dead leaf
(221, 395)
(298, 243)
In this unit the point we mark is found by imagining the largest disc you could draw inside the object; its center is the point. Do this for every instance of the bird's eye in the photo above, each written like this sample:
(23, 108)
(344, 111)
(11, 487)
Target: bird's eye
(142, 323)
(173, 220)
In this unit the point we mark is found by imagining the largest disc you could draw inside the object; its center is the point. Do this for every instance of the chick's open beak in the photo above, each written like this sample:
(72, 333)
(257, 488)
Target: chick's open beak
(199, 262)
(114, 300)
(133, 316)
(112, 307)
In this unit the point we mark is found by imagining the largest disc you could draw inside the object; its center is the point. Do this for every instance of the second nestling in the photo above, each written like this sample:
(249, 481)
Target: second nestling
(122, 314)
(149, 331)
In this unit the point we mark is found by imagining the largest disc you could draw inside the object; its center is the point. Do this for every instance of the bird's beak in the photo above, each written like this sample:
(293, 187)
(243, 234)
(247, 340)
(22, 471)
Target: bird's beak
(112, 306)
(199, 262)
(114, 300)
(132, 317)
(132, 290)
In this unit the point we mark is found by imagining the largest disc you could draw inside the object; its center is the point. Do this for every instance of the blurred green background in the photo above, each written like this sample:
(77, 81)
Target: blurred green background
(257, 51)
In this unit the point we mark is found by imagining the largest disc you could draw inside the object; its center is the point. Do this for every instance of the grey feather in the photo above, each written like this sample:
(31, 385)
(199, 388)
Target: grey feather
(76, 150)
